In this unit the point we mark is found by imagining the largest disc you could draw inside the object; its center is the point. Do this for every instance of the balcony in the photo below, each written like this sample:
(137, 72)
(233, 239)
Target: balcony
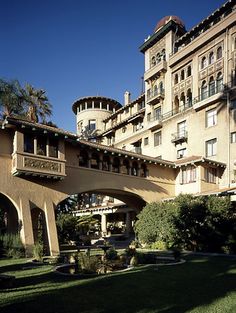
(154, 122)
(156, 70)
(36, 165)
(136, 150)
(155, 96)
(208, 97)
(179, 137)
(177, 110)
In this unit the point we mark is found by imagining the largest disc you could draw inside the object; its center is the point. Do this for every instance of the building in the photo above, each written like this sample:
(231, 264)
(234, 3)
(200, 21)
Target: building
(187, 113)
(178, 136)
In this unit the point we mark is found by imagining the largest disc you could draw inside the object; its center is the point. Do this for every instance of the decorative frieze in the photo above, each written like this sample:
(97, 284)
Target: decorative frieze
(42, 165)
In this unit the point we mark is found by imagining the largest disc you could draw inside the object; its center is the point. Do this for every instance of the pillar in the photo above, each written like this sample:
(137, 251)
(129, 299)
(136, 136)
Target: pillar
(51, 227)
(104, 224)
(128, 223)
(26, 231)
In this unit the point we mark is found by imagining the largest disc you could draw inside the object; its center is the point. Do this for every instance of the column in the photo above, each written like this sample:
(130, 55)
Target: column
(128, 223)
(51, 228)
(104, 224)
(26, 231)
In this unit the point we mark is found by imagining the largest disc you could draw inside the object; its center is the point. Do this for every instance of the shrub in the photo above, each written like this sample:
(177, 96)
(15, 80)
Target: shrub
(159, 245)
(88, 264)
(38, 251)
(12, 245)
(134, 260)
(111, 254)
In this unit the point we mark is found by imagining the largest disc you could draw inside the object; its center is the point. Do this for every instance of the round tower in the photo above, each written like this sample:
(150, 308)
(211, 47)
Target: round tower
(90, 113)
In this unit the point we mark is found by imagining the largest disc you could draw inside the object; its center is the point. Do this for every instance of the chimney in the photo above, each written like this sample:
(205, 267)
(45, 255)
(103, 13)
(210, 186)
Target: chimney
(127, 97)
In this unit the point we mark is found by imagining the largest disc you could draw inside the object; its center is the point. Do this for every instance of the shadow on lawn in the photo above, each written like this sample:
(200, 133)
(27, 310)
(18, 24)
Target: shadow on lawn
(175, 289)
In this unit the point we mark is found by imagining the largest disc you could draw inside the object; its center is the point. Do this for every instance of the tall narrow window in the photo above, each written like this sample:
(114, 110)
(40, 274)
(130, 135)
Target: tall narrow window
(182, 76)
(157, 139)
(204, 90)
(176, 80)
(203, 62)
(210, 175)
(41, 145)
(53, 148)
(219, 82)
(157, 113)
(28, 143)
(233, 137)
(92, 124)
(219, 53)
(181, 129)
(153, 63)
(211, 118)
(211, 57)
(211, 147)
(189, 71)
(211, 86)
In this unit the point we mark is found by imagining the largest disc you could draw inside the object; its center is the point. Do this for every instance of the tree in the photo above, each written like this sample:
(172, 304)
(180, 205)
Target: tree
(11, 101)
(155, 223)
(36, 101)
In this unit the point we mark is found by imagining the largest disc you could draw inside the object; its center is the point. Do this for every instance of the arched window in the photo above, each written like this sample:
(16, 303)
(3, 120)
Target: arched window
(153, 63)
(211, 57)
(176, 79)
(163, 52)
(211, 86)
(182, 75)
(189, 97)
(105, 163)
(189, 71)
(116, 165)
(155, 91)
(161, 88)
(204, 90)
(176, 105)
(144, 171)
(203, 62)
(95, 161)
(134, 169)
(182, 99)
(125, 167)
(219, 82)
(83, 158)
(158, 57)
(219, 53)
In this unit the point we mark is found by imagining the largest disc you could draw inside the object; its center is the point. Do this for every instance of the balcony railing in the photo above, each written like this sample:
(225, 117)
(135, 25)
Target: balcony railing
(155, 95)
(159, 67)
(177, 110)
(205, 94)
(154, 121)
(36, 165)
(136, 150)
(179, 137)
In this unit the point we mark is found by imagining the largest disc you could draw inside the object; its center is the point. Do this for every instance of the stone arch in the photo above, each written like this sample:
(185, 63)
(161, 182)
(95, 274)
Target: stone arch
(176, 104)
(9, 216)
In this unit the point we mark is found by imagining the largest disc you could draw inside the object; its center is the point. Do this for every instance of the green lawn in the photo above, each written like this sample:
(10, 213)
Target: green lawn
(206, 285)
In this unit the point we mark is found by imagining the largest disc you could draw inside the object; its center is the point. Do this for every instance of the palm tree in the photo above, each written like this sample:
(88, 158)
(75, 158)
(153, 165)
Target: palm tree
(38, 107)
(11, 102)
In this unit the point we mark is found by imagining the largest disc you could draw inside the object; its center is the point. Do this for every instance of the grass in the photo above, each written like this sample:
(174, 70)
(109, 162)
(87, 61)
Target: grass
(201, 285)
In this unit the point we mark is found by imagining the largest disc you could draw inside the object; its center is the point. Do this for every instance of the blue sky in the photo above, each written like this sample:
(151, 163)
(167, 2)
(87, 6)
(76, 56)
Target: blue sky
(78, 48)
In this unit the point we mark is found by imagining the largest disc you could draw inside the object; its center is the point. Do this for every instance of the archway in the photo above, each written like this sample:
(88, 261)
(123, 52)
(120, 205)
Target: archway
(9, 221)
(40, 228)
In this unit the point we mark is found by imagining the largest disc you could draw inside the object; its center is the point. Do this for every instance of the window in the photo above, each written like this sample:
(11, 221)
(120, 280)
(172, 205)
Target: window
(203, 62)
(211, 86)
(161, 88)
(188, 175)
(157, 139)
(211, 57)
(137, 126)
(189, 71)
(28, 143)
(92, 124)
(176, 79)
(219, 53)
(181, 129)
(124, 129)
(145, 141)
(153, 63)
(210, 175)
(53, 147)
(219, 82)
(182, 75)
(211, 118)
(41, 145)
(157, 113)
(189, 97)
(233, 137)
(158, 57)
(181, 153)
(211, 146)
(126, 110)
(204, 90)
